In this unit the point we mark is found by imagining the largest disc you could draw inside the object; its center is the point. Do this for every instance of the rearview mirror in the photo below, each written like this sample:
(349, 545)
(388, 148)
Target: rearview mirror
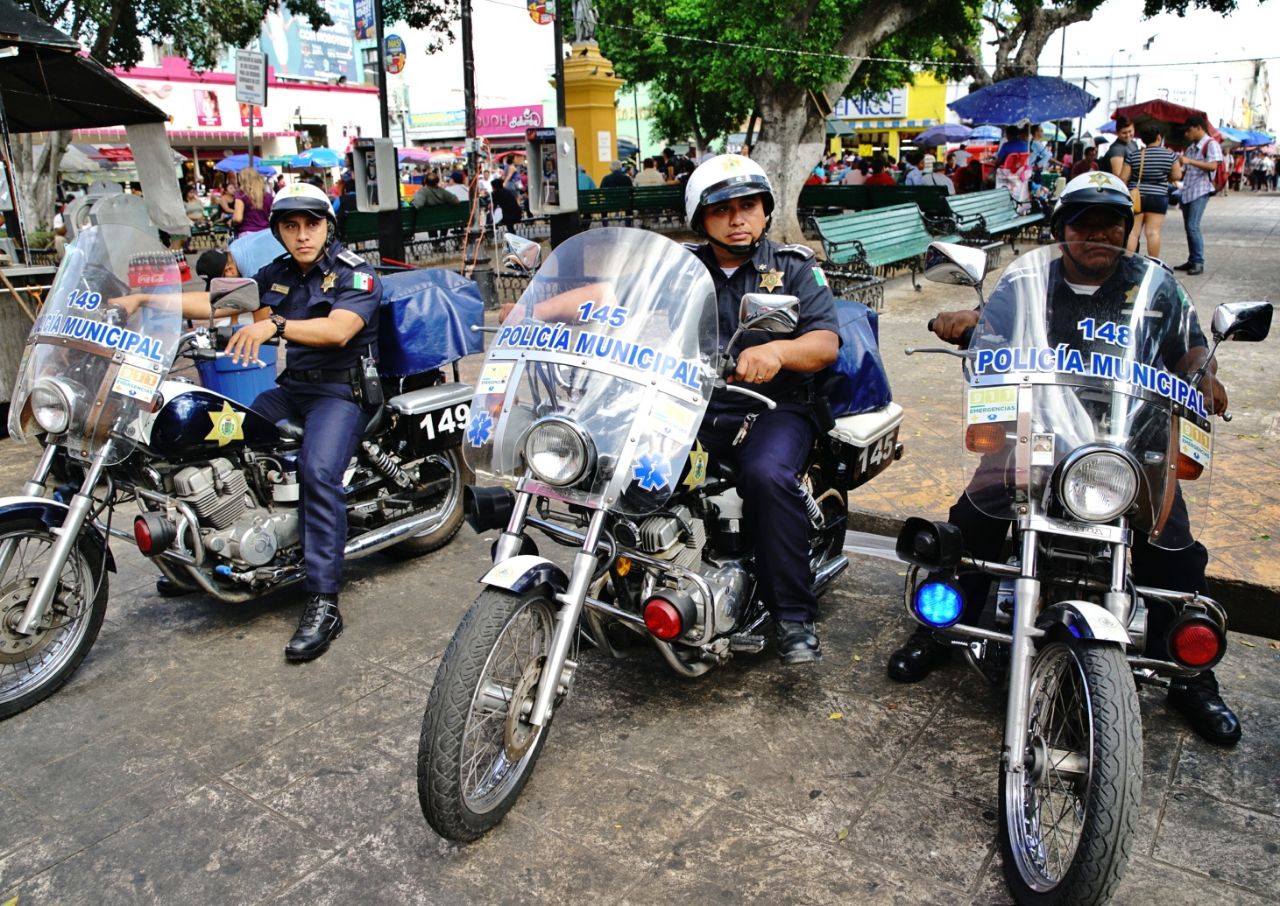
(770, 313)
(1245, 322)
(958, 265)
(523, 255)
(234, 293)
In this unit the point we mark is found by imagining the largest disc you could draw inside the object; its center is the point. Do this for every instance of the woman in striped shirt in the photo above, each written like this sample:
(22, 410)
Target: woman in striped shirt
(1157, 166)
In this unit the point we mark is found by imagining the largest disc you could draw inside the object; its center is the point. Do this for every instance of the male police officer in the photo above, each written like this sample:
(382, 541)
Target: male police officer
(729, 200)
(1092, 219)
(323, 300)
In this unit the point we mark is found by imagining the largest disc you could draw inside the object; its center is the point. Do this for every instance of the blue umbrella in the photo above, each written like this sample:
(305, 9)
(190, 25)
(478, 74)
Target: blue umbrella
(1256, 139)
(986, 133)
(316, 157)
(237, 162)
(1108, 127)
(941, 134)
(1026, 99)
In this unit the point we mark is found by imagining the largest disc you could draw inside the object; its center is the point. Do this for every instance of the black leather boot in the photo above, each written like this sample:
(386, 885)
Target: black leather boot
(320, 624)
(918, 656)
(1197, 699)
(798, 642)
(167, 588)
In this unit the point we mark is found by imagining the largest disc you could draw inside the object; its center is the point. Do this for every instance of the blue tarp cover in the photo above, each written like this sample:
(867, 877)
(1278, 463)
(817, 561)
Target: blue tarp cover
(426, 321)
(860, 383)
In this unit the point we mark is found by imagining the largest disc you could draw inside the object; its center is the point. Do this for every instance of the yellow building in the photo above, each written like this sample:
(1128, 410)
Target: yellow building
(885, 121)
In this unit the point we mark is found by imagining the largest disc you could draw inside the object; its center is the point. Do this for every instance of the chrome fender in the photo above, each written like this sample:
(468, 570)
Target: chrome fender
(522, 572)
(1084, 621)
(53, 513)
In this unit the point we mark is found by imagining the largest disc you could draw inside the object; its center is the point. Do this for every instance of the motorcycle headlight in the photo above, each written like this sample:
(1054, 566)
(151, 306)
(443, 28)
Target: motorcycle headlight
(51, 405)
(557, 451)
(1098, 486)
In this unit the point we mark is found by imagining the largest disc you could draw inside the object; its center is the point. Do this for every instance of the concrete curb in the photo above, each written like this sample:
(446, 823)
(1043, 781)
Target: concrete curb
(1251, 608)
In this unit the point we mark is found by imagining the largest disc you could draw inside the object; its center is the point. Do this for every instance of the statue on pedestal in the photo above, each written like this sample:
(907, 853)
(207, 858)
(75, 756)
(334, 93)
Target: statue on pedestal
(584, 22)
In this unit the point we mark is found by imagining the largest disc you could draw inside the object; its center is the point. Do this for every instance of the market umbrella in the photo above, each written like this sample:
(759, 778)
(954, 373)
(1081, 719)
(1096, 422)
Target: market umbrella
(1170, 117)
(986, 134)
(321, 158)
(237, 162)
(442, 157)
(1257, 139)
(943, 133)
(1025, 99)
(414, 155)
(1052, 133)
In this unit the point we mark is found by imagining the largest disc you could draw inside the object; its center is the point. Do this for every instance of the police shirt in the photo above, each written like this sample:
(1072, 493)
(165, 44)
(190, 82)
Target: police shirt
(340, 279)
(790, 270)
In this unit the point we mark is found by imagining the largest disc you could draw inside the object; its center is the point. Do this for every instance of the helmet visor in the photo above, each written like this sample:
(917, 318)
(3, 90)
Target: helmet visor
(736, 187)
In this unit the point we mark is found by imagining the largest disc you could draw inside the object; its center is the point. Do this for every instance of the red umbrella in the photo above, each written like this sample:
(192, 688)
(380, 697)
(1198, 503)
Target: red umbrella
(1167, 114)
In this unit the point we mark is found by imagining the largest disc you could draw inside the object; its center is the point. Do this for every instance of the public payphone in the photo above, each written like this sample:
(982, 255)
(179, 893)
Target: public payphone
(552, 157)
(377, 174)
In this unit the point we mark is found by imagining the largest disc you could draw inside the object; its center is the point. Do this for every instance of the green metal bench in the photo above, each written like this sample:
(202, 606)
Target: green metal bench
(858, 242)
(990, 215)
(658, 202)
(846, 198)
(606, 204)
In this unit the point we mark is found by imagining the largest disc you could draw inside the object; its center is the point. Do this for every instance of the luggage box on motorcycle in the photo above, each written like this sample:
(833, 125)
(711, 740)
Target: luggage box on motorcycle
(864, 445)
(241, 383)
(436, 416)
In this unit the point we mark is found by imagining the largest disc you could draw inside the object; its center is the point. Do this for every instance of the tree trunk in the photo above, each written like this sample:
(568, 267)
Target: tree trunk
(35, 172)
(791, 141)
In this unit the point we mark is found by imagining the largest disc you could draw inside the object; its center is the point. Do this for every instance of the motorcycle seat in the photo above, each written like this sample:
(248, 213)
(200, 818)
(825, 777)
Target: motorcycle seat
(291, 428)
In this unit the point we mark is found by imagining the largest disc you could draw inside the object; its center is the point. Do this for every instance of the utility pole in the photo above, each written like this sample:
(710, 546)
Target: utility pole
(469, 91)
(562, 225)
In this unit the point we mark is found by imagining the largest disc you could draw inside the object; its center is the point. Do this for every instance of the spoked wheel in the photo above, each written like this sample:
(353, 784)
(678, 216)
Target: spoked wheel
(478, 748)
(447, 504)
(33, 667)
(1068, 819)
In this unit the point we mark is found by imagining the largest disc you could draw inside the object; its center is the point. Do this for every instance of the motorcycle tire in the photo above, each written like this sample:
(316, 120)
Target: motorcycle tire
(477, 751)
(1085, 773)
(434, 539)
(34, 667)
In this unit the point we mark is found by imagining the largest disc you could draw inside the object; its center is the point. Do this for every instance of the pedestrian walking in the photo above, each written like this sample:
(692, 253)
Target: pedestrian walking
(1200, 161)
(1149, 170)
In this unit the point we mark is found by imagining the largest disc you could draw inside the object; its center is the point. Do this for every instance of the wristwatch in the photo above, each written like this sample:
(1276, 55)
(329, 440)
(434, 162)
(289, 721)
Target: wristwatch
(279, 322)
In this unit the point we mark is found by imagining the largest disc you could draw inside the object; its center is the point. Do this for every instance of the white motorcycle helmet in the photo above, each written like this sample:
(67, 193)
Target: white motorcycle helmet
(301, 196)
(719, 179)
(1087, 190)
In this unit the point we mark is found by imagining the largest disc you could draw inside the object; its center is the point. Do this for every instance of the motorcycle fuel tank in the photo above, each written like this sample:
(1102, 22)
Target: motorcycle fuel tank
(194, 421)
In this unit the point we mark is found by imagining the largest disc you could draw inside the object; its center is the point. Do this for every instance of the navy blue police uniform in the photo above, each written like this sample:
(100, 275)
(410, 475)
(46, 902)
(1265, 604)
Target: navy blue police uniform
(318, 388)
(775, 448)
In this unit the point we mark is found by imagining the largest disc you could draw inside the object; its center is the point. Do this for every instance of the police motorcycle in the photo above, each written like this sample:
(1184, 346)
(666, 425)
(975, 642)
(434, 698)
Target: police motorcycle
(216, 483)
(1078, 448)
(591, 421)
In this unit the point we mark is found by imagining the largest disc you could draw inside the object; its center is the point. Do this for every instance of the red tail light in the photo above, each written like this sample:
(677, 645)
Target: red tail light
(663, 619)
(1197, 642)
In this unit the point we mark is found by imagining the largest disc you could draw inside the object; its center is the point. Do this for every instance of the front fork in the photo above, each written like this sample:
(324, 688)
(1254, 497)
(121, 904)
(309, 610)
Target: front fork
(67, 534)
(572, 600)
(33, 488)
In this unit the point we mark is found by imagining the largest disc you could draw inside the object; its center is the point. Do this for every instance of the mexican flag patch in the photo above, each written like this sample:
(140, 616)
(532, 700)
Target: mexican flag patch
(819, 277)
(362, 282)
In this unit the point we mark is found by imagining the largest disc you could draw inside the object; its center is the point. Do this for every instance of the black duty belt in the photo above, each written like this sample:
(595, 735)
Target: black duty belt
(322, 375)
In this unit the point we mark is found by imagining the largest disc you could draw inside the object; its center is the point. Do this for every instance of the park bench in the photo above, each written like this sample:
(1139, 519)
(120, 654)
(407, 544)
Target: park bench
(658, 203)
(858, 242)
(990, 215)
(606, 204)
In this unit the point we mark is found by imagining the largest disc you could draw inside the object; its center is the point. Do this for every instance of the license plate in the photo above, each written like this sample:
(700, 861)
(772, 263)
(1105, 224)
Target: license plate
(871, 460)
(443, 428)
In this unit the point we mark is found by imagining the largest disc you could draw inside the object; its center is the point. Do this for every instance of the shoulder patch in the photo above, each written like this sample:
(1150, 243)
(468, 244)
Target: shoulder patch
(351, 259)
(796, 249)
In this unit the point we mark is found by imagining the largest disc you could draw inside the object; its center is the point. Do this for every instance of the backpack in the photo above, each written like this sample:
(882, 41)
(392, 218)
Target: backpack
(1220, 177)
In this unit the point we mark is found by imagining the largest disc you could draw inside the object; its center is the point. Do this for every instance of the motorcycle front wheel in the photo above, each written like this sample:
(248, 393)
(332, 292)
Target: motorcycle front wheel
(1068, 820)
(477, 748)
(33, 667)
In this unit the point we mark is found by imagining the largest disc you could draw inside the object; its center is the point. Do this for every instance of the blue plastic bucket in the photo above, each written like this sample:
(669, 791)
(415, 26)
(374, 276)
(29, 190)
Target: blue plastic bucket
(241, 382)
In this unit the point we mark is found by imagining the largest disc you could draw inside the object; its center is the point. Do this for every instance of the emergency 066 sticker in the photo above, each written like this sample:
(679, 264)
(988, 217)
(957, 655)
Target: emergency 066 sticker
(135, 382)
(1193, 442)
(992, 404)
(494, 378)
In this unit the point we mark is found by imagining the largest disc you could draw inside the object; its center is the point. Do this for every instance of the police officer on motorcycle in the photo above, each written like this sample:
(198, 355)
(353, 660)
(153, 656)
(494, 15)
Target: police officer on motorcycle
(323, 301)
(729, 201)
(1094, 215)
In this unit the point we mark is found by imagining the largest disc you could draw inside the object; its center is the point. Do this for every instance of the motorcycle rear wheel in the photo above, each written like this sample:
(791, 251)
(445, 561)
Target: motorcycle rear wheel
(477, 750)
(450, 505)
(1068, 821)
(34, 667)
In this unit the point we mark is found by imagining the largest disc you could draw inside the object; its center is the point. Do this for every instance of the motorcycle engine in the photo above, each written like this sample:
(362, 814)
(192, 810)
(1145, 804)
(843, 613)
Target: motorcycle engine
(217, 492)
(674, 535)
(234, 527)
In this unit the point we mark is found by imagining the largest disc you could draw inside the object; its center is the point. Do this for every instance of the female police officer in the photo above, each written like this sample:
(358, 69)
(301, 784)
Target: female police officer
(729, 200)
(323, 301)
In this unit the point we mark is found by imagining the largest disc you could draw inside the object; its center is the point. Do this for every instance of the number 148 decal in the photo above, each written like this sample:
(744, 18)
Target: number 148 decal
(1107, 332)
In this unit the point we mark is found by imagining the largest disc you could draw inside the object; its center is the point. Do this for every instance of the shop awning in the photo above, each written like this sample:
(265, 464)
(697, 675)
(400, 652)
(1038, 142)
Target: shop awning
(47, 85)
(869, 125)
(187, 136)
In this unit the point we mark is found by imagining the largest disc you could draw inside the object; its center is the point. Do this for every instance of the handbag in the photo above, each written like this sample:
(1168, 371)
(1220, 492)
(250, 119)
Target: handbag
(1136, 192)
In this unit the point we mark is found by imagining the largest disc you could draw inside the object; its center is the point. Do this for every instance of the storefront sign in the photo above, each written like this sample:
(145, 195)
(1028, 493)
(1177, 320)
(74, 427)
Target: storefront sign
(508, 120)
(540, 13)
(294, 48)
(244, 116)
(890, 103)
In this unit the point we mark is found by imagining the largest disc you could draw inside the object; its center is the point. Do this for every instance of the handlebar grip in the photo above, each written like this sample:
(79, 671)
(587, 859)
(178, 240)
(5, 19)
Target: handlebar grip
(930, 326)
(966, 338)
(728, 366)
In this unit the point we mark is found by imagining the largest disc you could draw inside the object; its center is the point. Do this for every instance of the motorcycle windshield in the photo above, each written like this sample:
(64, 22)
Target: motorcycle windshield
(92, 368)
(1084, 354)
(595, 384)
